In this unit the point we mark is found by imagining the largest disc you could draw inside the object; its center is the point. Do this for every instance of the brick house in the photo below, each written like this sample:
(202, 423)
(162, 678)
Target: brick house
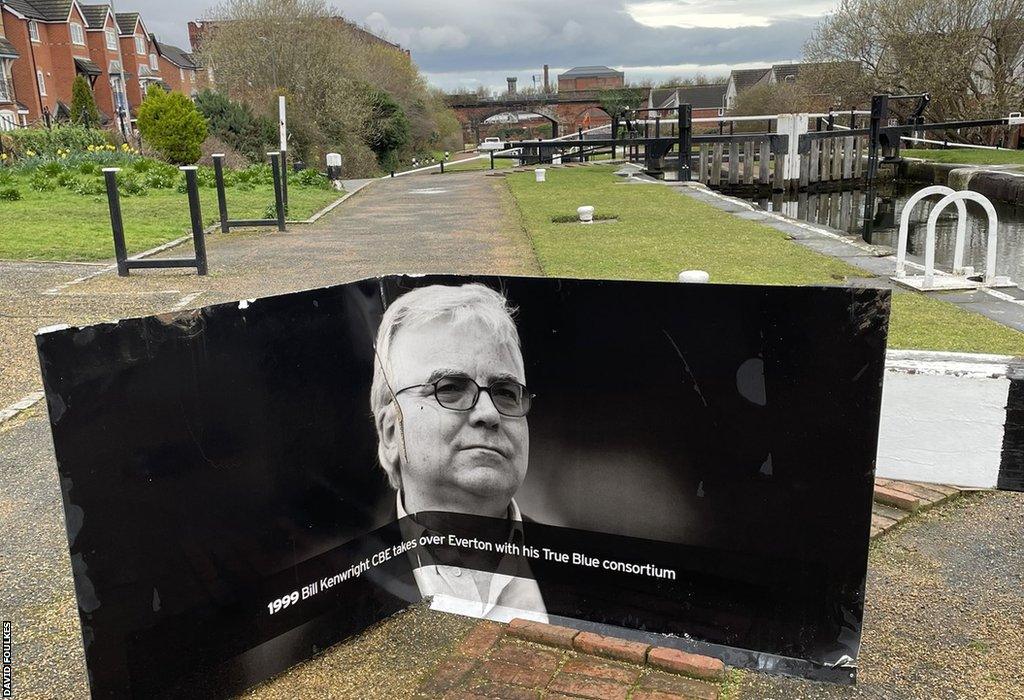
(105, 52)
(706, 100)
(179, 69)
(590, 78)
(12, 112)
(52, 40)
(141, 58)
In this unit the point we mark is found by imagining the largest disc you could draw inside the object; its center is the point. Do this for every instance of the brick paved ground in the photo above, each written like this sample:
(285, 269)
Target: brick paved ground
(492, 663)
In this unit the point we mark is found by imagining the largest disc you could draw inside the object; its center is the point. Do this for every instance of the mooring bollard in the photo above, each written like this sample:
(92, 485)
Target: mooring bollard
(586, 214)
(222, 199)
(196, 214)
(694, 276)
(116, 223)
(334, 169)
(278, 198)
(539, 174)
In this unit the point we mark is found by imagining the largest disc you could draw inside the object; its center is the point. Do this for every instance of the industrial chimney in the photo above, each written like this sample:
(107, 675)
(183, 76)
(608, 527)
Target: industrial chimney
(511, 85)
(547, 85)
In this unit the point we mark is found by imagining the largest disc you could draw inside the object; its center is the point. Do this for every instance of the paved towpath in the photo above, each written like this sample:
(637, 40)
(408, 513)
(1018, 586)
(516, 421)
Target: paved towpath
(425, 223)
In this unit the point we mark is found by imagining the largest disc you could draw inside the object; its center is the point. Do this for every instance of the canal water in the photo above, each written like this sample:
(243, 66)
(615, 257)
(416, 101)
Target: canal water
(844, 210)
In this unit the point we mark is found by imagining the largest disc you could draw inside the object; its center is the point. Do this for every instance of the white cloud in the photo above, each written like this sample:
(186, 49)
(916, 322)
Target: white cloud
(674, 14)
(431, 39)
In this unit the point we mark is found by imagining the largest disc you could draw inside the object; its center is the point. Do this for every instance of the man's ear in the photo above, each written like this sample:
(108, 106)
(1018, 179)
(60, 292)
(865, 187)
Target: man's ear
(389, 447)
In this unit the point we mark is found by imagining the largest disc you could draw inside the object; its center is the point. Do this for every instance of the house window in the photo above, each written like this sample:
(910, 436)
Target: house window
(181, 74)
(140, 45)
(33, 31)
(153, 65)
(6, 95)
(7, 120)
(111, 39)
(77, 34)
(42, 82)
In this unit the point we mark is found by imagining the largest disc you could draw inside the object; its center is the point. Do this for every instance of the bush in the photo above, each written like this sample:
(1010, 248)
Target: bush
(162, 178)
(10, 194)
(236, 125)
(83, 107)
(91, 186)
(67, 180)
(172, 125)
(312, 178)
(41, 182)
(129, 184)
(89, 168)
(46, 142)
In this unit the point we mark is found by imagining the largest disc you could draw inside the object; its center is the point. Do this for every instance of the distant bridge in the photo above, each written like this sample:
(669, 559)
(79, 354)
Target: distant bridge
(566, 111)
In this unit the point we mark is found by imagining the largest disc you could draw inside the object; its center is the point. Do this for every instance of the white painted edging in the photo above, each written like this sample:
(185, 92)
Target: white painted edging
(944, 416)
(25, 403)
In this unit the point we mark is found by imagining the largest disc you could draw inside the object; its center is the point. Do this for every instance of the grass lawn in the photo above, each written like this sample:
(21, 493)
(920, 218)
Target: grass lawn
(64, 225)
(660, 232)
(969, 156)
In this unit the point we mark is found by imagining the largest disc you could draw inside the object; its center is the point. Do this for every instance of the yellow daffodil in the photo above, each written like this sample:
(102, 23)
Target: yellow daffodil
(91, 148)
(30, 153)
(3, 156)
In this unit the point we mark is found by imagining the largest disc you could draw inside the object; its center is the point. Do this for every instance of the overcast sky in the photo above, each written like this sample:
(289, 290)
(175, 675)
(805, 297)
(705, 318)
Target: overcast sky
(466, 43)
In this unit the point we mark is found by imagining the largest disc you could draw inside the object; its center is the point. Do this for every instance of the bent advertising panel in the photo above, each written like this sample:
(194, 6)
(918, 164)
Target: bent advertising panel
(248, 483)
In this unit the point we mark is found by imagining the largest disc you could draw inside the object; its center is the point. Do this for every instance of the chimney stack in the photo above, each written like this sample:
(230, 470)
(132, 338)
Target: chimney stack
(547, 85)
(511, 85)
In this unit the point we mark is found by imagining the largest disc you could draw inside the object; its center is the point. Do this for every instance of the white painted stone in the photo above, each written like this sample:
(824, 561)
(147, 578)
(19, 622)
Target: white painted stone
(539, 174)
(694, 276)
(586, 214)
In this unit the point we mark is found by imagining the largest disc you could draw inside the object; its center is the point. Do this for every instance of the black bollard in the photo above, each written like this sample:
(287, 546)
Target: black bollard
(284, 177)
(222, 200)
(492, 160)
(196, 214)
(442, 166)
(275, 166)
(116, 222)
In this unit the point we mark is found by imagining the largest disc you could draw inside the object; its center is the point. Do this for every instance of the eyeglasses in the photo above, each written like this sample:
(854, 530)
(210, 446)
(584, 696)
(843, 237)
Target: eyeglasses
(510, 398)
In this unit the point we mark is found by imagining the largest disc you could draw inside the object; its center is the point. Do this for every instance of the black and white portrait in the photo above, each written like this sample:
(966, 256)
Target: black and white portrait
(450, 405)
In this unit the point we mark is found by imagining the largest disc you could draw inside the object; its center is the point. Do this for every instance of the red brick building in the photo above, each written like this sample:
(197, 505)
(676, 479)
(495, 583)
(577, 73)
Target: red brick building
(179, 69)
(590, 78)
(12, 112)
(141, 62)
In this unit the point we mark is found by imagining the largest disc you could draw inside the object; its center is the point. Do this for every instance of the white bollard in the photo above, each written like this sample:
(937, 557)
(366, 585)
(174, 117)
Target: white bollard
(586, 214)
(694, 276)
(539, 174)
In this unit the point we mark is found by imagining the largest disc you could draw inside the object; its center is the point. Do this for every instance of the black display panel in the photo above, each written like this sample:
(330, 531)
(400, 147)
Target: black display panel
(697, 461)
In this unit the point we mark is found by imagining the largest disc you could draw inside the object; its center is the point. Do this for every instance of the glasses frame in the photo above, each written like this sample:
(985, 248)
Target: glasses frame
(479, 390)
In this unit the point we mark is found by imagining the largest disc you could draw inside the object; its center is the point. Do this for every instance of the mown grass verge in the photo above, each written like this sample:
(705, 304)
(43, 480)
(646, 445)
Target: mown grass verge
(660, 232)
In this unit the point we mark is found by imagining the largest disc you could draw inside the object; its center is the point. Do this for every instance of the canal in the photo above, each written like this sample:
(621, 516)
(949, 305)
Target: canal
(844, 210)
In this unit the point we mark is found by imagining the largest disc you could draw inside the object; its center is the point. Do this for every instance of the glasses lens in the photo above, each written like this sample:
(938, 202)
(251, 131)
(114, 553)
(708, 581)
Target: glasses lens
(456, 392)
(510, 398)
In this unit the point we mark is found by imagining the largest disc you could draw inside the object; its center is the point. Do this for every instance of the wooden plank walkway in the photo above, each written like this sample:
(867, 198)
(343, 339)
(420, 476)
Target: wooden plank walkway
(895, 501)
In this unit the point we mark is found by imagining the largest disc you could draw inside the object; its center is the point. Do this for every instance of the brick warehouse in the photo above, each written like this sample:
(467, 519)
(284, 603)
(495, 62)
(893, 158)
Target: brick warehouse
(45, 44)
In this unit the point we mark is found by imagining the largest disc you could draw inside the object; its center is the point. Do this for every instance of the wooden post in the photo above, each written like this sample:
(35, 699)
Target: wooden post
(748, 162)
(826, 160)
(780, 172)
(837, 158)
(764, 157)
(805, 169)
(716, 164)
(847, 157)
(858, 154)
(815, 167)
(734, 163)
(702, 174)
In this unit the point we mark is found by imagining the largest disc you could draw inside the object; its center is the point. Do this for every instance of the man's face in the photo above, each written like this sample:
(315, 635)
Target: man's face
(460, 461)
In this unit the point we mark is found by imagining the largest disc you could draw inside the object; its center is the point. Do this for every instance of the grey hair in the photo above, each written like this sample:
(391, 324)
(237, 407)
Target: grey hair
(418, 307)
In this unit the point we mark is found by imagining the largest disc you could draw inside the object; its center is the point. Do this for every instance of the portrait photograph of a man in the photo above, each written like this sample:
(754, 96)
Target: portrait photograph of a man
(450, 405)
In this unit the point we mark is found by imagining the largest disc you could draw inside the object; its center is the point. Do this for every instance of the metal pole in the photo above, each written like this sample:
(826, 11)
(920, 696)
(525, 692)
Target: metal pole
(657, 126)
(284, 177)
(198, 237)
(492, 160)
(442, 166)
(879, 113)
(685, 141)
(116, 223)
(222, 199)
(275, 166)
(615, 135)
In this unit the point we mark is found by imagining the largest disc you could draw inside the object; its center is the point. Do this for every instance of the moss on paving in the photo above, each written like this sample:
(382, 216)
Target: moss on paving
(64, 225)
(658, 233)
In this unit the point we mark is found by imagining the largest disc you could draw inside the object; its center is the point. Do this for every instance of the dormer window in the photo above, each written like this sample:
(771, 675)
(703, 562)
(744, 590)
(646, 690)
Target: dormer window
(77, 34)
(153, 65)
(140, 45)
(111, 39)
(33, 31)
